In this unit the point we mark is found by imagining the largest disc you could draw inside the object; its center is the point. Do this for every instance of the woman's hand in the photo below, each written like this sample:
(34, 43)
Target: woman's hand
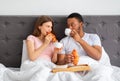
(55, 54)
(57, 50)
(48, 39)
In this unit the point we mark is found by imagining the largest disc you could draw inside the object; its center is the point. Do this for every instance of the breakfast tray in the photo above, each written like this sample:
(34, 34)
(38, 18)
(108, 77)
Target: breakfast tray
(83, 67)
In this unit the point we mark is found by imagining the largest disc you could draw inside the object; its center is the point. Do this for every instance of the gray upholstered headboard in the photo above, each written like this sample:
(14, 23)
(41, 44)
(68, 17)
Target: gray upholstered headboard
(14, 29)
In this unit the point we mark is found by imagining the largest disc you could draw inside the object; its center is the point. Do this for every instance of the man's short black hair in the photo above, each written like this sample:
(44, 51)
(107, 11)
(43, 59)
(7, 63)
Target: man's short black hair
(77, 16)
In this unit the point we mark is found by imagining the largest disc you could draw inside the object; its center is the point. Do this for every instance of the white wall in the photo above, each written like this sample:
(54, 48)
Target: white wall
(59, 7)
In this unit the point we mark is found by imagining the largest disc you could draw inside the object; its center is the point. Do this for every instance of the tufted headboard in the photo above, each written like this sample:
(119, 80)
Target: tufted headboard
(14, 29)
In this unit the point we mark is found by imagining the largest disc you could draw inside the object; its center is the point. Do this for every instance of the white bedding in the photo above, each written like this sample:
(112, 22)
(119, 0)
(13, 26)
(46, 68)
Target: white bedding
(15, 69)
(40, 70)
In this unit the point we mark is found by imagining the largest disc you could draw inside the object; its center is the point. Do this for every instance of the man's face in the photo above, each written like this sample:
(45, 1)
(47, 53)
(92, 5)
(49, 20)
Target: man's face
(73, 23)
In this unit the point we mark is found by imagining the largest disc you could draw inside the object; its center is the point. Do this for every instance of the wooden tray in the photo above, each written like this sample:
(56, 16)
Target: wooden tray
(83, 67)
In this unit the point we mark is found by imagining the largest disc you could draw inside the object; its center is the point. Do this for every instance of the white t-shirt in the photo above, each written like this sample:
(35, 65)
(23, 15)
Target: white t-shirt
(69, 43)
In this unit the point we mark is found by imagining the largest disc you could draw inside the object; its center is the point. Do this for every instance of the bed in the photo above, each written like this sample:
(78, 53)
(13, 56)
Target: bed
(15, 29)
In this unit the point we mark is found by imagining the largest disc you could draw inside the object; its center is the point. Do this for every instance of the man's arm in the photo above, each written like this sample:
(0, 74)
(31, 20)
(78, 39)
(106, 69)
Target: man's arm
(61, 59)
(93, 51)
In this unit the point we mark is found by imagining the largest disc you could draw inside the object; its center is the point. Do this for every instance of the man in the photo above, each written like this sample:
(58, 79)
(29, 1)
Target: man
(84, 43)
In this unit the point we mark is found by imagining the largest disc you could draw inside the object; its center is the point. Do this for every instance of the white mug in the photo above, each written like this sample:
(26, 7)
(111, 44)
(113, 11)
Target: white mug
(67, 31)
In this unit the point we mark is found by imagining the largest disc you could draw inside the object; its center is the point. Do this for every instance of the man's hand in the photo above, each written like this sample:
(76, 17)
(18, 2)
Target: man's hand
(69, 58)
(75, 35)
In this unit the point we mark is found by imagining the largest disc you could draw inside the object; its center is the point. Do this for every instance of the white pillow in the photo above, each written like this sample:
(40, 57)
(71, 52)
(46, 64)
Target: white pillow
(24, 52)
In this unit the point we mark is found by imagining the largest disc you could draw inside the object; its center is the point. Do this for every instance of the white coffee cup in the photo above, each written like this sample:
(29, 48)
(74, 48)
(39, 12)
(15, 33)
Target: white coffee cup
(58, 45)
(67, 31)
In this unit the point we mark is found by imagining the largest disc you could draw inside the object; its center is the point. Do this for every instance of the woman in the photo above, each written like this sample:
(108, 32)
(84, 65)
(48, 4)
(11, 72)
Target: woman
(41, 52)
(40, 44)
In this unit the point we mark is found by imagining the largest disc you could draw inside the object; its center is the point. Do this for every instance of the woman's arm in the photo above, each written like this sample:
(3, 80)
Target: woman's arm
(33, 53)
(54, 57)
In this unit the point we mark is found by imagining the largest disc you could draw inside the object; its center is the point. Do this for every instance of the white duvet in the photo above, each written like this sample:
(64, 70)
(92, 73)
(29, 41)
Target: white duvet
(40, 70)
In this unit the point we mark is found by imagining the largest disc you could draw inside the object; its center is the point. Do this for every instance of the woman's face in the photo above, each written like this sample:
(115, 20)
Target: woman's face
(46, 28)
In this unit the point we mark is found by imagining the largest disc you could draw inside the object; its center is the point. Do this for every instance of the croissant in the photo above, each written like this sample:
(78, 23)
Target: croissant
(53, 37)
(76, 57)
(55, 41)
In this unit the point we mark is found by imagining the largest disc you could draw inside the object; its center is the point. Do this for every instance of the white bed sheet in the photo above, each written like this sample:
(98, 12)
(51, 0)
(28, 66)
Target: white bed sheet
(14, 69)
(40, 70)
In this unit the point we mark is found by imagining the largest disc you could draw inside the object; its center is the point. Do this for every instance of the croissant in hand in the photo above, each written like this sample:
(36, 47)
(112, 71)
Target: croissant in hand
(76, 57)
(53, 37)
(55, 41)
